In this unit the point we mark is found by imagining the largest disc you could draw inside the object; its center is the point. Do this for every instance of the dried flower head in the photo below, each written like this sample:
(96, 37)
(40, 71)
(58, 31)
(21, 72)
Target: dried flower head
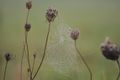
(27, 27)
(51, 14)
(74, 34)
(7, 56)
(110, 51)
(29, 4)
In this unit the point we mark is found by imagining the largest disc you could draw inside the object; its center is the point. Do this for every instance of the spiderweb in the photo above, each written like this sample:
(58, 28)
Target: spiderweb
(61, 53)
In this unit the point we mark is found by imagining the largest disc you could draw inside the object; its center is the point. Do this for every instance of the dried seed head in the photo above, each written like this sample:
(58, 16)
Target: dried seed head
(27, 27)
(51, 14)
(7, 57)
(74, 34)
(109, 50)
(29, 4)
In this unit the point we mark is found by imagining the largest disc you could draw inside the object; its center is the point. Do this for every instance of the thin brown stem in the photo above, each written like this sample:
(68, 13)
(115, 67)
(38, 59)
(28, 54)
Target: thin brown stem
(26, 48)
(22, 61)
(119, 69)
(44, 53)
(91, 77)
(27, 16)
(28, 56)
(33, 64)
(5, 70)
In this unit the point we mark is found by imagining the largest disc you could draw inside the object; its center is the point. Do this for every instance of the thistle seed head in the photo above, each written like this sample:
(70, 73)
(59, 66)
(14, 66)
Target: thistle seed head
(110, 50)
(51, 14)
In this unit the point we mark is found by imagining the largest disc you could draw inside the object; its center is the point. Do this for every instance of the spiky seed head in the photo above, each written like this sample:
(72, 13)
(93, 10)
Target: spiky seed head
(51, 14)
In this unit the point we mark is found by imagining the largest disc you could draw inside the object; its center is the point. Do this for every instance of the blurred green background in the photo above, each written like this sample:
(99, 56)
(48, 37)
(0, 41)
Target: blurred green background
(95, 19)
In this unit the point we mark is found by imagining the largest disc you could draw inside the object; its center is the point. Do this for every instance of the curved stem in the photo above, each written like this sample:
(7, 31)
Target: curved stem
(28, 56)
(22, 61)
(44, 53)
(119, 69)
(33, 64)
(91, 77)
(5, 70)
(26, 47)
(26, 42)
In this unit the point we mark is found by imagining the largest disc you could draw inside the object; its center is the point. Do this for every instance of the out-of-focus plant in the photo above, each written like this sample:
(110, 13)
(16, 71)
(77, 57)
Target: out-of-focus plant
(111, 52)
(74, 35)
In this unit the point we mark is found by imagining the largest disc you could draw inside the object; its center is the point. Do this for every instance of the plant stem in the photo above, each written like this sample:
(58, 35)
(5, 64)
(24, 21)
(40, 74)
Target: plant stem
(27, 49)
(91, 77)
(33, 64)
(27, 16)
(119, 69)
(5, 70)
(22, 61)
(44, 53)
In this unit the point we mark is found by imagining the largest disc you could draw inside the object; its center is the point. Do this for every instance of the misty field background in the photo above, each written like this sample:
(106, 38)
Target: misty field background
(95, 19)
